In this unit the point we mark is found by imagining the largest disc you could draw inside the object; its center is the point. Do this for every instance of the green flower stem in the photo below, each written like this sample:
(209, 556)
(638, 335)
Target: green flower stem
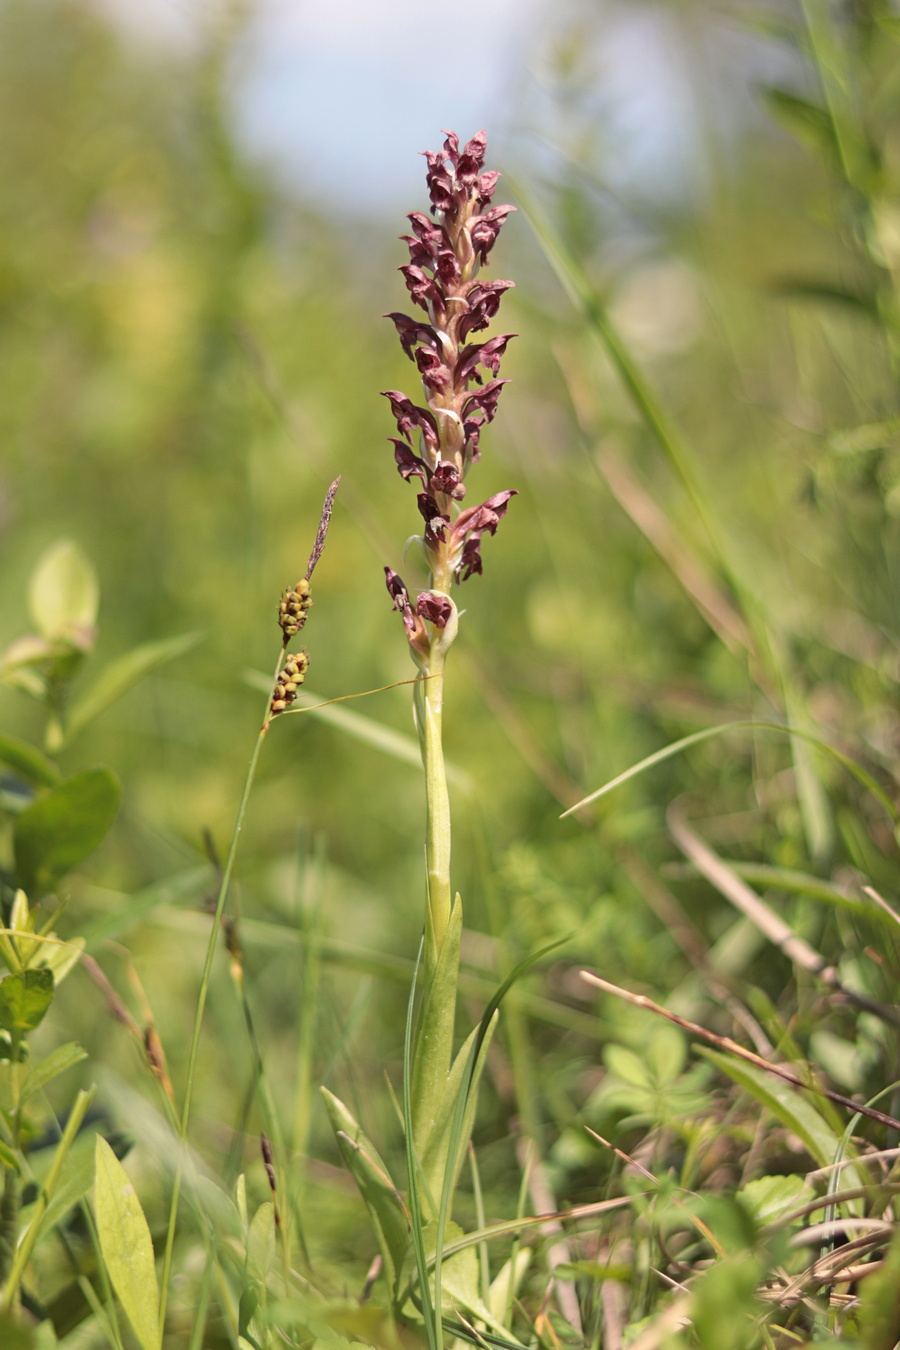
(430, 694)
(201, 1003)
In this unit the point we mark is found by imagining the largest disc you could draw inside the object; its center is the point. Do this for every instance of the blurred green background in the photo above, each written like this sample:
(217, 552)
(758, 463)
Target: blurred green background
(191, 349)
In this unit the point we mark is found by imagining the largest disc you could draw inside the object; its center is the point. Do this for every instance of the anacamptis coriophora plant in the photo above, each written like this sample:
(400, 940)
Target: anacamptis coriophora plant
(437, 444)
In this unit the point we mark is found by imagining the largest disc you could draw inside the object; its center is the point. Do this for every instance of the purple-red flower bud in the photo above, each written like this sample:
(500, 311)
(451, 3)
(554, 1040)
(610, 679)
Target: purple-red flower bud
(446, 480)
(416, 633)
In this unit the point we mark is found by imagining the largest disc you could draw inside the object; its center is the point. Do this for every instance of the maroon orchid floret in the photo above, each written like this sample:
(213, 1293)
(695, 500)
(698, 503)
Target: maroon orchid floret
(438, 442)
(416, 633)
(434, 607)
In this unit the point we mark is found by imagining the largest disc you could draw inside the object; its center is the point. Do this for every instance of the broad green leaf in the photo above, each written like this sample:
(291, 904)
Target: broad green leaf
(45, 1070)
(809, 122)
(767, 1198)
(25, 998)
(63, 594)
(725, 1303)
(505, 1284)
(60, 957)
(126, 1245)
(75, 1179)
(121, 674)
(28, 762)
(381, 1197)
(459, 1277)
(626, 1065)
(63, 827)
(261, 1242)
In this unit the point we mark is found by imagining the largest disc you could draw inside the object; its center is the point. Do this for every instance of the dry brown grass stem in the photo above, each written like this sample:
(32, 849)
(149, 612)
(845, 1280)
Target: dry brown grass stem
(779, 933)
(732, 1047)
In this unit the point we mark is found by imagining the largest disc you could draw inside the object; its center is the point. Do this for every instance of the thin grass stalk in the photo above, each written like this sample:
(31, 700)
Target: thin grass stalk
(201, 1005)
(484, 1268)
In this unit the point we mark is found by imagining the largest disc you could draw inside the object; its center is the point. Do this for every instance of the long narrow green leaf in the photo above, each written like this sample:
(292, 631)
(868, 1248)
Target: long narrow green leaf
(696, 737)
(45, 1070)
(464, 1108)
(380, 1195)
(122, 674)
(27, 761)
(122, 912)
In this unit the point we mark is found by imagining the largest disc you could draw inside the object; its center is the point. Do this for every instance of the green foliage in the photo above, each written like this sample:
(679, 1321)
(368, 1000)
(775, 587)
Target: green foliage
(126, 1245)
(62, 827)
(694, 593)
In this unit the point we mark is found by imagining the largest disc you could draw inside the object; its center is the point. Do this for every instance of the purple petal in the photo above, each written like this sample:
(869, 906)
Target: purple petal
(410, 331)
(470, 562)
(485, 229)
(486, 185)
(408, 464)
(409, 416)
(487, 516)
(482, 303)
(485, 399)
(435, 375)
(487, 354)
(435, 608)
(421, 287)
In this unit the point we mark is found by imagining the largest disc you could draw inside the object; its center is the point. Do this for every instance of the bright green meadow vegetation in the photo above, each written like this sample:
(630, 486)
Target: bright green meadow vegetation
(670, 720)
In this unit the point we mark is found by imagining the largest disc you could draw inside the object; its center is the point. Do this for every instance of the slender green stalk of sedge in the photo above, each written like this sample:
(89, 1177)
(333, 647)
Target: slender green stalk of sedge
(201, 1005)
(289, 674)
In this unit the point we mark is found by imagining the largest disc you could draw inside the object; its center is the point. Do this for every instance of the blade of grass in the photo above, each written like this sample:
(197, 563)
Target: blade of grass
(201, 1000)
(675, 748)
